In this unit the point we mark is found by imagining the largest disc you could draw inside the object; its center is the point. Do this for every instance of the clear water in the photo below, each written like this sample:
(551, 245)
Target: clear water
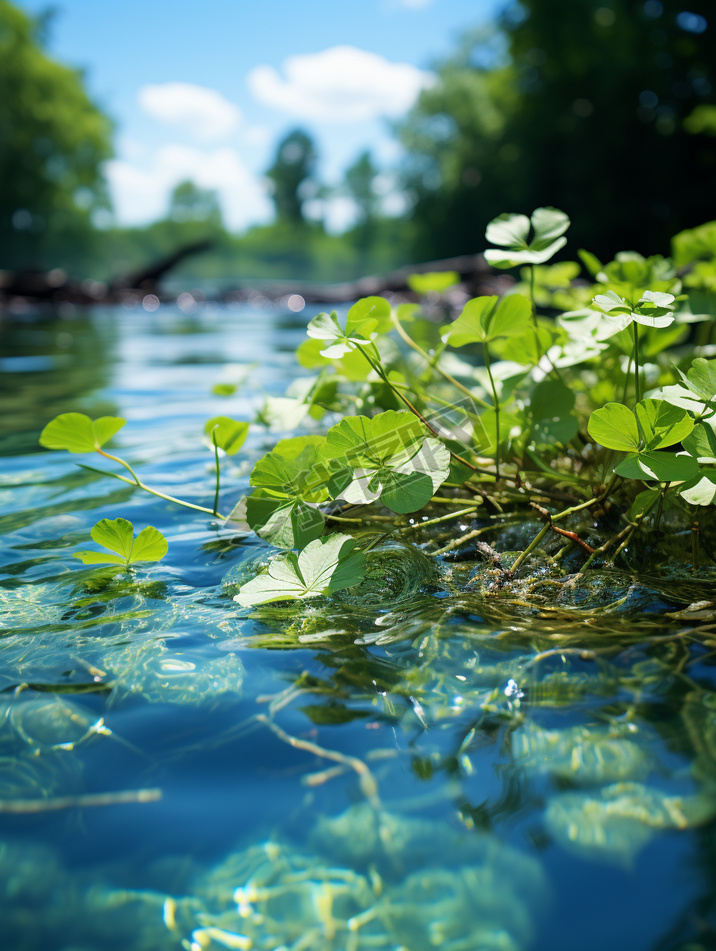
(401, 768)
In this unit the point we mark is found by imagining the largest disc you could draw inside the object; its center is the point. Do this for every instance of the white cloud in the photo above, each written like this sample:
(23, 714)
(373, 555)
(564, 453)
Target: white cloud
(341, 84)
(140, 192)
(203, 113)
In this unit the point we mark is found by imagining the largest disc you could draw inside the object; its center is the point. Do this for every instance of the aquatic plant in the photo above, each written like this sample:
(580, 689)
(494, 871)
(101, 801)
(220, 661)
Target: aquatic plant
(537, 418)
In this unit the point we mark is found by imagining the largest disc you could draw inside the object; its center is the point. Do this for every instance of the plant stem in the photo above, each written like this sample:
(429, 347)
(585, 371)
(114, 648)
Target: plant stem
(637, 383)
(530, 548)
(126, 465)
(218, 474)
(570, 511)
(160, 495)
(384, 377)
(446, 376)
(486, 357)
(443, 518)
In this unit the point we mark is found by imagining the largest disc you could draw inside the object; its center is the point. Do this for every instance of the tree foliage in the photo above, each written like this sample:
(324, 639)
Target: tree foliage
(570, 102)
(53, 140)
(291, 175)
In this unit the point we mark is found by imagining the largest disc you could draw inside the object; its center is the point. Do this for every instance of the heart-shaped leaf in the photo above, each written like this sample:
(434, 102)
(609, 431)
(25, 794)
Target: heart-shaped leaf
(76, 432)
(289, 484)
(324, 566)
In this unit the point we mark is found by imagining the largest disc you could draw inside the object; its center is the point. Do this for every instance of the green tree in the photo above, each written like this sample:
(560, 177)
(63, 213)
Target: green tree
(360, 186)
(575, 103)
(189, 202)
(292, 175)
(53, 141)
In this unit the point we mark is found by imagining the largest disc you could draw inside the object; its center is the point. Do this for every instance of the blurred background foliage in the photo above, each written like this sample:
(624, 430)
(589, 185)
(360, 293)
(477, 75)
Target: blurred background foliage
(605, 108)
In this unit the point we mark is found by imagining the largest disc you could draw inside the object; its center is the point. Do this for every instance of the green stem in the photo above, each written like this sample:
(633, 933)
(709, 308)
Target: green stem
(160, 495)
(628, 373)
(218, 474)
(530, 548)
(637, 383)
(570, 511)
(486, 357)
(126, 465)
(384, 377)
(446, 376)
(442, 518)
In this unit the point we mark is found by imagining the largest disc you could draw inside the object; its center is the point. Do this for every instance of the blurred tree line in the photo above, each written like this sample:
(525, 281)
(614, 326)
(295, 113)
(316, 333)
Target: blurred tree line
(605, 108)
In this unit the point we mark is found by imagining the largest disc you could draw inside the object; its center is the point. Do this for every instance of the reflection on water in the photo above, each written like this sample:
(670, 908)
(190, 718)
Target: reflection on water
(441, 758)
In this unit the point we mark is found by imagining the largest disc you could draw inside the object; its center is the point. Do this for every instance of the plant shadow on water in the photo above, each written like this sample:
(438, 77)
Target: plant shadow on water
(444, 755)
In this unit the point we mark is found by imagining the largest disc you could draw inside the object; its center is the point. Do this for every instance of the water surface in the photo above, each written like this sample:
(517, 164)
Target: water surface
(433, 761)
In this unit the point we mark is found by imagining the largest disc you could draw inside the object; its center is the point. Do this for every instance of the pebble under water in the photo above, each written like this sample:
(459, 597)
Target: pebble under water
(430, 760)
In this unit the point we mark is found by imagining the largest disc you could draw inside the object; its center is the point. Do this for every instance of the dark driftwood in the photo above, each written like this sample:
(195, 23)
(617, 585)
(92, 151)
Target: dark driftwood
(147, 279)
(476, 277)
(55, 288)
(20, 290)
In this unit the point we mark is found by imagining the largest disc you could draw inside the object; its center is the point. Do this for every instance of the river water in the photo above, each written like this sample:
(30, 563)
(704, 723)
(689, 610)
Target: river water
(432, 762)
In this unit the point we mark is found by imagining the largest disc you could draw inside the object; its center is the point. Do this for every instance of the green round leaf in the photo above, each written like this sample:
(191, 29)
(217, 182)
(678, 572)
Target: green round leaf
(76, 432)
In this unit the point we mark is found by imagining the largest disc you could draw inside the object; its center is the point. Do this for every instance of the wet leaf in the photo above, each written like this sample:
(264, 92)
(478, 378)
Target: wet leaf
(390, 457)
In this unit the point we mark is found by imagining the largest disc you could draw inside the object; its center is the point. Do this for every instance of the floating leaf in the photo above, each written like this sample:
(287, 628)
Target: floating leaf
(76, 432)
(228, 434)
(484, 319)
(324, 566)
(511, 232)
(118, 536)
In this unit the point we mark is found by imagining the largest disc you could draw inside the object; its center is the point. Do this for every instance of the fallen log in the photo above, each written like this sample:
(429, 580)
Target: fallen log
(476, 277)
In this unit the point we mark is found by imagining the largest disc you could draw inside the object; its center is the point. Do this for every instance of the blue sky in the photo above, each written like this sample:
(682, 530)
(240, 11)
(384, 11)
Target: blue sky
(203, 89)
